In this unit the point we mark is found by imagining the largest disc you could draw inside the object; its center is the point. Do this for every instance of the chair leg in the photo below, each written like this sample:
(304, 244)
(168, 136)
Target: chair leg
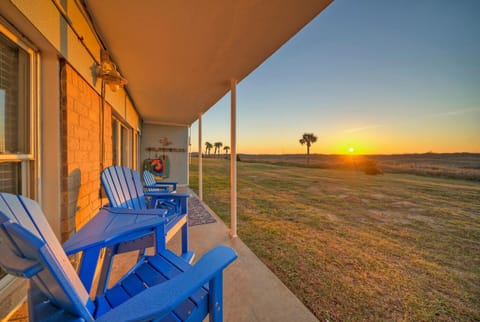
(141, 253)
(159, 242)
(185, 238)
(105, 269)
(215, 305)
(183, 206)
(87, 272)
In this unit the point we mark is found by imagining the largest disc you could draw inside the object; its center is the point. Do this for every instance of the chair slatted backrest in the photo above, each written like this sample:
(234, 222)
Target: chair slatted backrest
(26, 237)
(123, 188)
(149, 180)
(161, 186)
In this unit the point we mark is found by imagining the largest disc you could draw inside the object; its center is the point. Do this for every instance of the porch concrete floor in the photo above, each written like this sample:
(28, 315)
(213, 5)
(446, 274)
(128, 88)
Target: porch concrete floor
(251, 291)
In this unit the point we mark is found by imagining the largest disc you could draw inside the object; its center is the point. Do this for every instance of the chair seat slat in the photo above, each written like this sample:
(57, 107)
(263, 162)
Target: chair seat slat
(153, 271)
(133, 285)
(163, 266)
(102, 306)
(184, 310)
(149, 275)
(170, 318)
(175, 260)
(170, 271)
(116, 295)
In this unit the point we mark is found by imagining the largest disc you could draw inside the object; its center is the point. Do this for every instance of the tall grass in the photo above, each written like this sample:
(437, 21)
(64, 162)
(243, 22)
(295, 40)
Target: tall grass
(357, 247)
(447, 165)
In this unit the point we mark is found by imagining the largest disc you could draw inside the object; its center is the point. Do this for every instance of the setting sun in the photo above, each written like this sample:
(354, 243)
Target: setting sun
(351, 150)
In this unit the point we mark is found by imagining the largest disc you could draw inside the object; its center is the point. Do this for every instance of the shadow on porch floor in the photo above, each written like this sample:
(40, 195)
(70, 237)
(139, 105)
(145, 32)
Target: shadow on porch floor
(251, 291)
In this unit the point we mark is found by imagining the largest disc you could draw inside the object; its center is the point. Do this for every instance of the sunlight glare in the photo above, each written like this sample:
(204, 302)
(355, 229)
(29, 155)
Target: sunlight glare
(351, 150)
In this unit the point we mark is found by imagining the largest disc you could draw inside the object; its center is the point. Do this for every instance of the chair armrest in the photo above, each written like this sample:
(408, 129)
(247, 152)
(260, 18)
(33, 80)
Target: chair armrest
(163, 183)
(176, 201)
(128, 211)
(15, 264)
(167, 182)
(169, 195)
(107, 229)
(158, 301)
(20, 267)
(164, 188)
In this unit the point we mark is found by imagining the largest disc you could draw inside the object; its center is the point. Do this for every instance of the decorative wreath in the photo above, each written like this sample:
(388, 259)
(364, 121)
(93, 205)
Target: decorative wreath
(156, 167)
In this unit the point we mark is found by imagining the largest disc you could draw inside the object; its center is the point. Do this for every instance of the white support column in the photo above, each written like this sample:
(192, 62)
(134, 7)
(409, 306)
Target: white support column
(200, 166)
(233, 158)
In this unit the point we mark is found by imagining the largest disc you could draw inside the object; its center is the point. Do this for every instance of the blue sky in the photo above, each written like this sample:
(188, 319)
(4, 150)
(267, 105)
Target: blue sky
(380, 76)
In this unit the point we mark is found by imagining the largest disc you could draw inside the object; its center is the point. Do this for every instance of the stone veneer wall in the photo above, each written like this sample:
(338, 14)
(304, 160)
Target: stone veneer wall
(81, 154)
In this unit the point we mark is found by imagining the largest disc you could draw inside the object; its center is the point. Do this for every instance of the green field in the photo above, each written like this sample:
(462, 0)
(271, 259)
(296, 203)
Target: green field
(358, 247)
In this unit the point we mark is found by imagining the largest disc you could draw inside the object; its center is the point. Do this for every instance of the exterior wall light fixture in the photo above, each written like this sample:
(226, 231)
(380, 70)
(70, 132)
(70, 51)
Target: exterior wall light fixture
(107, 71)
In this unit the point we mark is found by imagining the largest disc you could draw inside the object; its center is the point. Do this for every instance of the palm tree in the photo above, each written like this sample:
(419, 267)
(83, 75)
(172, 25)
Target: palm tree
(217, 145)
(208, 147)
(226, 148)
(308, 139)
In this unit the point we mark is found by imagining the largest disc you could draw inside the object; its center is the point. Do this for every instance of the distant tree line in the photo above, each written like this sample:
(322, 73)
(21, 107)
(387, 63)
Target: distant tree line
(217, 149)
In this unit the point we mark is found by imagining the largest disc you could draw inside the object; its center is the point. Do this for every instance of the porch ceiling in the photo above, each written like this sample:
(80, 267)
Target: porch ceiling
(178, 56)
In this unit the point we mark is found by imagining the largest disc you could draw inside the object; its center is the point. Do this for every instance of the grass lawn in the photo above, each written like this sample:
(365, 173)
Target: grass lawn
(358, 247)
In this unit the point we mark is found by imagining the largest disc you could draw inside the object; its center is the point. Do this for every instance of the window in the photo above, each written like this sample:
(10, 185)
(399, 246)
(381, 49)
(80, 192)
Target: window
(115, 142)
(136, 150)
(122, 144)
(16, 116)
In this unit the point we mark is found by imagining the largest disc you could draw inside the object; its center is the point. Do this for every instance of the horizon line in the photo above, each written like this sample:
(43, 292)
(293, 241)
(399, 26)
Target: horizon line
(352, 154)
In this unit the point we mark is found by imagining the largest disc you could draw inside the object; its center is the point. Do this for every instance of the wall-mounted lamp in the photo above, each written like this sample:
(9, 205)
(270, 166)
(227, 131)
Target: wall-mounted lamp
(108, 72)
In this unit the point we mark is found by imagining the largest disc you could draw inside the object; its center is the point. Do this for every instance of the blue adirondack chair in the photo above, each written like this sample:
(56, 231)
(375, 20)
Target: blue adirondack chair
(125, 193)
(151, 185)
(124, 190)
(162, 287)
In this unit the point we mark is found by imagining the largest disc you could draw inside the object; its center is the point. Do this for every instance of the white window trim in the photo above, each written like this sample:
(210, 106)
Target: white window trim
(30, 182)
(130, 146)
(33, 53)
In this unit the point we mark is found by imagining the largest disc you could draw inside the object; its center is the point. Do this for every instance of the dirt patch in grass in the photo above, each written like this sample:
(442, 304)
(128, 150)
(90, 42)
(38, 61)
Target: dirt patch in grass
(357, 247)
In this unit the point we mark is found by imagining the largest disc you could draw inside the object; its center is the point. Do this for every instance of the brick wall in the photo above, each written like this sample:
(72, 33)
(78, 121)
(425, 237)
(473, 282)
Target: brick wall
(81, 149)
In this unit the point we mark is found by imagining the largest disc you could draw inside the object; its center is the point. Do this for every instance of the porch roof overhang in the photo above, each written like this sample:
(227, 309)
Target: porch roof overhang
(179, 56)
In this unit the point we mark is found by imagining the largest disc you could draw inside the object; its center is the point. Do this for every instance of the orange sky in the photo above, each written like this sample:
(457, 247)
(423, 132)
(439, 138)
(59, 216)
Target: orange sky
(381, 77)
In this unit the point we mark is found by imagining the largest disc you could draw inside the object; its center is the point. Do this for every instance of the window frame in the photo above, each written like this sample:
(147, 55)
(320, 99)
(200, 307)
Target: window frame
(32, 94)
(29, 162)
(125, 145)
